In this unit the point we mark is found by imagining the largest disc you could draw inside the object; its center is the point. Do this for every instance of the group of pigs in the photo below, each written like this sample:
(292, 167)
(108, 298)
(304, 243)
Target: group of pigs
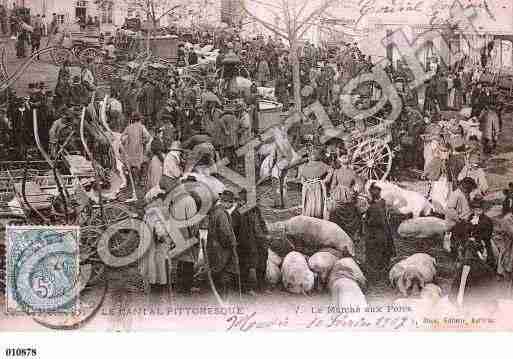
(314, 254)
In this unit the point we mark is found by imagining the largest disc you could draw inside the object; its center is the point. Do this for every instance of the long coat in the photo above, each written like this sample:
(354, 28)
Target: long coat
(489, 124)
(250, 229)
(135, 137)
(221, 241)
(379, 247)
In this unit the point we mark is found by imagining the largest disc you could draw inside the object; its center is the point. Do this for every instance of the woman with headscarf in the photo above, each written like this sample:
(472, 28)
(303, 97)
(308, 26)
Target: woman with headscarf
(345, 184)
(314, 175)
(155, 168)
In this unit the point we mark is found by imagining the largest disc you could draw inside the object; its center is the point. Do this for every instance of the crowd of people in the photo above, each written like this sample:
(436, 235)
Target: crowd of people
(172, 131)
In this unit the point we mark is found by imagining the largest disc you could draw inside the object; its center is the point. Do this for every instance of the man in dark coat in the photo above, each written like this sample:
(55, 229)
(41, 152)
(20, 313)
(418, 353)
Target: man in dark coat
(442, 91)
(481, 228)
(250, 229)
(221, 247)
(78, 93)
(35, 39)
(379, 246)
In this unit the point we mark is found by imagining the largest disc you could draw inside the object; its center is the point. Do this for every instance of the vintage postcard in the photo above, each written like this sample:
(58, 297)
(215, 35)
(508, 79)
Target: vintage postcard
(243, 165)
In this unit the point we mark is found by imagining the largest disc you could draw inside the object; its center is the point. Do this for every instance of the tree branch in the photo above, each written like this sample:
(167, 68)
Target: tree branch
(169, 11)
(265, 24)
(307, 23)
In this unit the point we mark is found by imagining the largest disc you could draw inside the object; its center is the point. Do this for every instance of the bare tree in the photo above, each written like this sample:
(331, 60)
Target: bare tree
(155, 10)
(296, 18)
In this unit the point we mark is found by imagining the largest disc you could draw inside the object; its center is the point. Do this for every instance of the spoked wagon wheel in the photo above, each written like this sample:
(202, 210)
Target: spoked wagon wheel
(105, 72)
(372, 159)
(60, 55)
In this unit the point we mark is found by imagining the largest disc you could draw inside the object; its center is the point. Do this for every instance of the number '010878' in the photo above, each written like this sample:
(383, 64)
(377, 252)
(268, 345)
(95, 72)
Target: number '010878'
(20, 352)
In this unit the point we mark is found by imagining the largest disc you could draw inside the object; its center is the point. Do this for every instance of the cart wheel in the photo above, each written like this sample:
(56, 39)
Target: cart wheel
(124, 242)
(372, 159)
(60, 55)
(90, 53)
(105, 72)
(89, 237)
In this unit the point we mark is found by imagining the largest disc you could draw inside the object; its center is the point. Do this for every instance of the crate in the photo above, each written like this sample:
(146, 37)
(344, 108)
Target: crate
(269, 114)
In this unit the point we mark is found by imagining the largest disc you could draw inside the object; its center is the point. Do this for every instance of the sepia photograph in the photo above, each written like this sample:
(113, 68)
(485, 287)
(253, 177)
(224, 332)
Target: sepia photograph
(258, 166)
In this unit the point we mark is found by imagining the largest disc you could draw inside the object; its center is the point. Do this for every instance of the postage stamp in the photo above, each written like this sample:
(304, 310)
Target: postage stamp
(42, 272)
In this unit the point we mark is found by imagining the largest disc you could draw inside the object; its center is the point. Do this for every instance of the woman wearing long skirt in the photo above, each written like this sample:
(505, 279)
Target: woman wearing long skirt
(314, 195)
(345, 184)
(156, 164)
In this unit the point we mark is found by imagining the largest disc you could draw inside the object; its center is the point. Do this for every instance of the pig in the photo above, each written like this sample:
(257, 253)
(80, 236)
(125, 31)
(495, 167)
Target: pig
(272, 273)
(273, 270)
(424, 227)
(404, 201)
(297, 277)
(322, 263)
(412, 274)
(308, 235)
(346, 284)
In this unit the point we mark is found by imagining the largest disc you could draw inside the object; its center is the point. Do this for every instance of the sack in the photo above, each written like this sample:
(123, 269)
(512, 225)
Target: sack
(447, 242)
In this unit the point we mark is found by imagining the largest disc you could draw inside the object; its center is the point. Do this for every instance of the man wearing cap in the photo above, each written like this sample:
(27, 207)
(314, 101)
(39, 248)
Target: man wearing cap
(183, 207)
(78, 93)
(473, 170)
(458, 212)
(87, 78)
(146, 103)
(222, 246)
(250, 231)
(481, 228)
(168, 114)
(61, 128)
(134, 138)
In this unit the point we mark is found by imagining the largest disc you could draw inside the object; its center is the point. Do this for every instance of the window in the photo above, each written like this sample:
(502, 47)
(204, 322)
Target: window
(81, 10)
(60, 18)
(107, 12)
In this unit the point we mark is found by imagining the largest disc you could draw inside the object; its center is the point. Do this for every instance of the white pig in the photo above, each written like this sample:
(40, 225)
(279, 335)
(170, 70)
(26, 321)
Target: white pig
(322, 263)
(273, 270)
(312, 234)
(412, 274)
(404, 201)
(346, 282)
(424, 227)
(296, 276)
